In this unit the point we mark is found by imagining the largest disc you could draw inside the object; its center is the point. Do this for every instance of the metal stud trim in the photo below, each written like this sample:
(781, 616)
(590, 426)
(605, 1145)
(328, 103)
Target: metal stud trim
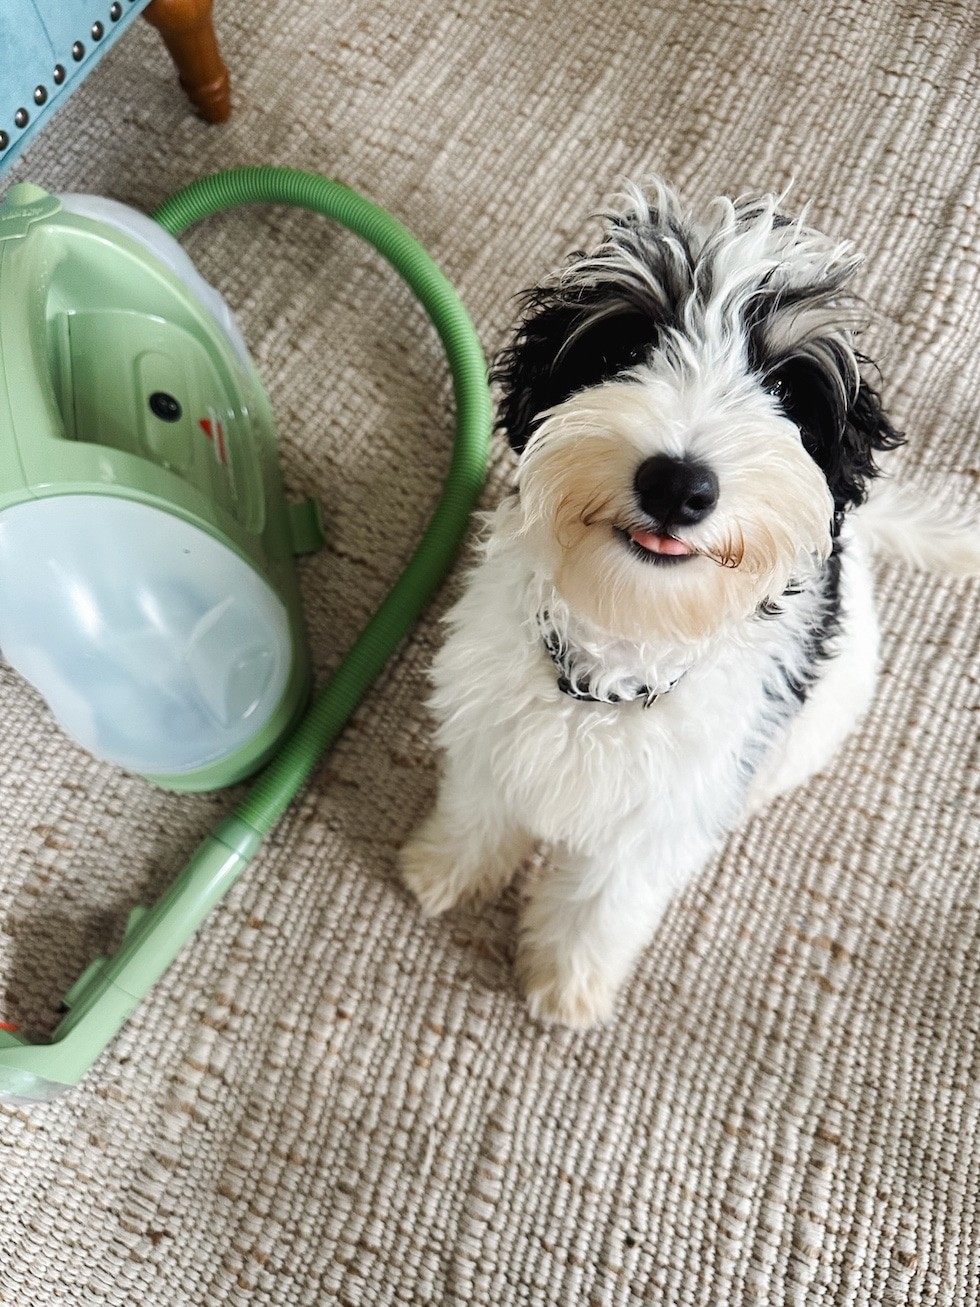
(22, 117)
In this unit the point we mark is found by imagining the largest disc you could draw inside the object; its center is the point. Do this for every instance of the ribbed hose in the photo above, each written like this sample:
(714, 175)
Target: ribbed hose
(275, 788)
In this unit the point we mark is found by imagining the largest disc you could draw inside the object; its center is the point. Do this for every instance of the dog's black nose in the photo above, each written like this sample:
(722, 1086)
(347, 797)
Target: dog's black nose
(675, 491)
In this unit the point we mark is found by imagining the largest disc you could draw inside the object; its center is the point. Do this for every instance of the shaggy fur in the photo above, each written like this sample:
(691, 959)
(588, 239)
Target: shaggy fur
(672, 619)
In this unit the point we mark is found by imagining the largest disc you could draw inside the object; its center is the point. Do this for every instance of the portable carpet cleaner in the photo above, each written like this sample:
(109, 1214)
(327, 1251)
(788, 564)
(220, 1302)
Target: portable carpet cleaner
(147, 583)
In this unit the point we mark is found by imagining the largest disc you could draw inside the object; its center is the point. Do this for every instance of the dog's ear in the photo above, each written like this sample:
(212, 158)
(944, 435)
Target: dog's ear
(571, 337)
(841, 421)
(867, 431)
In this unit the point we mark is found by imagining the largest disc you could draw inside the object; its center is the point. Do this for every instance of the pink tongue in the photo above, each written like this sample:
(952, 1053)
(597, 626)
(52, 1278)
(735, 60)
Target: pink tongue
(659, 544)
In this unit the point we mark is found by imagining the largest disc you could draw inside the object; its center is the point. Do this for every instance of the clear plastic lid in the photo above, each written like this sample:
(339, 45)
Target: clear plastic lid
(156, 646)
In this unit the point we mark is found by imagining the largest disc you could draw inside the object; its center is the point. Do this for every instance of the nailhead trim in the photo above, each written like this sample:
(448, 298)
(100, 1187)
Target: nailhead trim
(22, 117)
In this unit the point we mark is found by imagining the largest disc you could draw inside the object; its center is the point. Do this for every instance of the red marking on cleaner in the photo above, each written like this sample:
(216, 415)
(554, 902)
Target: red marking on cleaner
(9, 1025)
(215, 432)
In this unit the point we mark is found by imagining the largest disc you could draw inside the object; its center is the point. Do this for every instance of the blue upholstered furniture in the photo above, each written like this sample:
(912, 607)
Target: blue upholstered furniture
(47, 47)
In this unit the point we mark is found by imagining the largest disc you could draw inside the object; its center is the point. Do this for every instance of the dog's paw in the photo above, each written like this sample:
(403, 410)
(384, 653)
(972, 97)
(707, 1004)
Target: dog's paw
(429, 873)
(444, 872)
(576, 997)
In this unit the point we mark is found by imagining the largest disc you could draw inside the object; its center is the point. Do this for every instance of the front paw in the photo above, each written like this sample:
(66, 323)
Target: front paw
(563, 993)
(428, 870)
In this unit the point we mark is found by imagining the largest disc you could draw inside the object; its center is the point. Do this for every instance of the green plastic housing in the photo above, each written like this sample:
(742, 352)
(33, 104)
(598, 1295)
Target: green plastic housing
(93, 324)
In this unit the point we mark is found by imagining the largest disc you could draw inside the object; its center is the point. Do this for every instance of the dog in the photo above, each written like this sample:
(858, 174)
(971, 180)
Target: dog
(671, 620)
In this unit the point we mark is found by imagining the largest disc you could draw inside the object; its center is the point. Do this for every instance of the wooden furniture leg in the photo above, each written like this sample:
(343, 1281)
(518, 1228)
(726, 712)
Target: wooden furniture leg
(188, 33)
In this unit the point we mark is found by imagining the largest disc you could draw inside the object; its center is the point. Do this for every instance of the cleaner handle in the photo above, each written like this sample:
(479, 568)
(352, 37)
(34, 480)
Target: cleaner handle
(109, 989)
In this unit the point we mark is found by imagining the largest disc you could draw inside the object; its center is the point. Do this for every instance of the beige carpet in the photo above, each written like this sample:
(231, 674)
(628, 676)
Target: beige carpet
(329, 1100)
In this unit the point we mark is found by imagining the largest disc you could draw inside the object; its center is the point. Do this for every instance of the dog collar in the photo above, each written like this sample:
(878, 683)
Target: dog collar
(576, 676)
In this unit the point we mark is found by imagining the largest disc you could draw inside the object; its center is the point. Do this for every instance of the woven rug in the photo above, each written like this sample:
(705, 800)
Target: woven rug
(329, 1100)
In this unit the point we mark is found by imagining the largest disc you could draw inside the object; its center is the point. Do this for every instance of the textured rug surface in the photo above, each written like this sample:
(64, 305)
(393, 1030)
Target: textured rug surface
(328, 1099)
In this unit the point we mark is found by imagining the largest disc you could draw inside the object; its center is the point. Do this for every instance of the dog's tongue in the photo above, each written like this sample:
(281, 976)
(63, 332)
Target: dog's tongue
(659, 544)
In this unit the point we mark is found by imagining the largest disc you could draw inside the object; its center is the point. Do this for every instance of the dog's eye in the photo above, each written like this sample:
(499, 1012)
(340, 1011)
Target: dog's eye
(808, 397)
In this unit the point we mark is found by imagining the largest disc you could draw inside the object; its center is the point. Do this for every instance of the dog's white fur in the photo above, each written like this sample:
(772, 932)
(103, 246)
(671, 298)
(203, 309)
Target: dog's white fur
(634, 798)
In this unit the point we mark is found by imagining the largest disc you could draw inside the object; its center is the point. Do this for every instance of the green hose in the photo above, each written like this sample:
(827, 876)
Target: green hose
(106, 993)
(276, 787)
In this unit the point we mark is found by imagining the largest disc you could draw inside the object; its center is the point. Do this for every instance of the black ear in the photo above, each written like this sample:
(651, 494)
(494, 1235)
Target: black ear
(570, 338)
(842, 426)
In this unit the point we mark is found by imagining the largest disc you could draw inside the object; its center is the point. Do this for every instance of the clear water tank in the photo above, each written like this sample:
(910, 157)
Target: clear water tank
(156, 646)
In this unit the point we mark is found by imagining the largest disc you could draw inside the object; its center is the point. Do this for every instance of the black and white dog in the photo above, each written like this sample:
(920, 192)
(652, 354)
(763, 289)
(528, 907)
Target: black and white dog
(672, 619)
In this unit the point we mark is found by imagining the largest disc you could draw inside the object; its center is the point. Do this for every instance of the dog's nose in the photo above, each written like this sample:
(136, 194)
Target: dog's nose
(675, 491)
